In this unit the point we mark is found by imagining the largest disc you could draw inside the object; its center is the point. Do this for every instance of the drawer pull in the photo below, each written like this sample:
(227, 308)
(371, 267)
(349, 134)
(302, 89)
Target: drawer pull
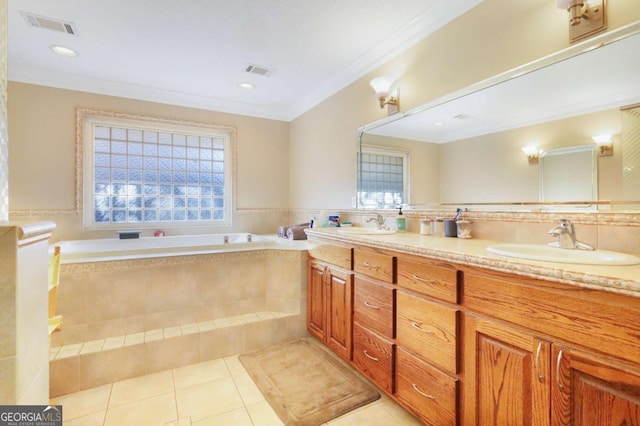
(417, 326)
(558, 378)
(370, 266)
(369, 356)
(369, 305)
(424, 280)
(426, 395)
(537, 363)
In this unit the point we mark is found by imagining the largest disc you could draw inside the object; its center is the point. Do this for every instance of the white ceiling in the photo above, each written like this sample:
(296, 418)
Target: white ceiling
(194, 52)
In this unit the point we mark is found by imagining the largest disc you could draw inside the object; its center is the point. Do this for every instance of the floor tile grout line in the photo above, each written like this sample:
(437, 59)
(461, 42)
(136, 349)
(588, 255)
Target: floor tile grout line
(175, 393)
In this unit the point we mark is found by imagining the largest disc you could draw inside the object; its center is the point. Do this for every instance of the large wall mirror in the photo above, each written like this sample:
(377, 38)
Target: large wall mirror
(466, 148)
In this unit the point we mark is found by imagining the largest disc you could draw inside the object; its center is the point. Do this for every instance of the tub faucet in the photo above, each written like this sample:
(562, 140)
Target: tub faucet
(566, 235)
(379, 220)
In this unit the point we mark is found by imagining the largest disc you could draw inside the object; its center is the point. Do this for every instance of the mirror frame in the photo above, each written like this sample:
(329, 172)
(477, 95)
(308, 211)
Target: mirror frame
(570, 52)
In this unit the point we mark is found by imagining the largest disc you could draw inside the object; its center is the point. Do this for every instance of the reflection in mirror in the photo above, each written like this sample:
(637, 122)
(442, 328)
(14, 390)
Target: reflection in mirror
(475, 157)
(569, 175)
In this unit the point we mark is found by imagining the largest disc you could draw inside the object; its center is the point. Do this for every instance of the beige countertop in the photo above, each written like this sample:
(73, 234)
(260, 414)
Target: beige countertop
(472, 252)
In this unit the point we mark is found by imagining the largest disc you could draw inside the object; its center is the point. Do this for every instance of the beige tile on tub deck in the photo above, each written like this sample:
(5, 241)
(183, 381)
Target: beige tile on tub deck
(64, 376)
(137, 388)
(221, 342)
(202, 372)
(111, 366)
(116, 296)
(85, 402)
(208, 399)
(171, 353)
(157, 410)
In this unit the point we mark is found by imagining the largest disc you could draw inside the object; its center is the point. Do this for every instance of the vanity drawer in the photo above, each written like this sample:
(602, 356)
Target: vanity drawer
(375, 265)
(373, 307)
(428, 329)
(434, 281)
(335, 255)
(374, 357)
(427, 390)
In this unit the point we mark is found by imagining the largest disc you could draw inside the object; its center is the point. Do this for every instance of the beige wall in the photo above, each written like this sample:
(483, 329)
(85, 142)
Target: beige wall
(42, 172)
(494, 37)
(493, 168)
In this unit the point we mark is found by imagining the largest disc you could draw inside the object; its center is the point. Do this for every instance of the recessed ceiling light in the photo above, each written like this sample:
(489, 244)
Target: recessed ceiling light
(438, 123)
(246, 86)
(64, 51)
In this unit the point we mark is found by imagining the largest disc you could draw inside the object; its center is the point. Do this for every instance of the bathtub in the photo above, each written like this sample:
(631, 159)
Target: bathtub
(107, 249)
(139, 306)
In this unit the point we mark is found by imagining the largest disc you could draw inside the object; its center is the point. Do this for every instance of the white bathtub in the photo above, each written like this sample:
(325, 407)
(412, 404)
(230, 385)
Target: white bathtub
(107, 249)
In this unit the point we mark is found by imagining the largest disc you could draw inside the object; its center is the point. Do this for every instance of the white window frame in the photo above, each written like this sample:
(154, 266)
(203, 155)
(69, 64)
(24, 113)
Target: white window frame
(87, 120)
(388, 151)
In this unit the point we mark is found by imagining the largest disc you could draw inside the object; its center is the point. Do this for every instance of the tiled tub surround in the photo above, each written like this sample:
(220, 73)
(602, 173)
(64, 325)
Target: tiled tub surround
(472, 252)
(125, 318)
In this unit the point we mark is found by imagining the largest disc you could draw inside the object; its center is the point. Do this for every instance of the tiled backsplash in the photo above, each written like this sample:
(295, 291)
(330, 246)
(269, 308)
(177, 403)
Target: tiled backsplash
(606, 231)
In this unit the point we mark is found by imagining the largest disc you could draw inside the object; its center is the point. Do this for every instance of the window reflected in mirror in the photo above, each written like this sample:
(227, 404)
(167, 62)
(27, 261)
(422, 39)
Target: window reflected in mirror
(383, 179)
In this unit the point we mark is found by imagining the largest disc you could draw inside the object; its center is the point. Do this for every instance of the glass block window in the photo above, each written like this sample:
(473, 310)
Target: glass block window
(382, 177)
(140, 174)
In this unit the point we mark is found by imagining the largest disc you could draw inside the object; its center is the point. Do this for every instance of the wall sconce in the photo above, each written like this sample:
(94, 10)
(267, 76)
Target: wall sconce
(533, 154)
(381, 85)
(586, 17)
(605, 144)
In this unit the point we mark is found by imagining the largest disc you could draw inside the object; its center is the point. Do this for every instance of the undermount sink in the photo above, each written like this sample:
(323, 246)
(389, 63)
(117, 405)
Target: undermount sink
(555, 254)
(365, 231)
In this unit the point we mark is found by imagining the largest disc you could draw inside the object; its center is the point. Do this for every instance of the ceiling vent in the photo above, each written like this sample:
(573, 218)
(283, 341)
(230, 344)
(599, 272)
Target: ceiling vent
(49, 23)
(258, 69)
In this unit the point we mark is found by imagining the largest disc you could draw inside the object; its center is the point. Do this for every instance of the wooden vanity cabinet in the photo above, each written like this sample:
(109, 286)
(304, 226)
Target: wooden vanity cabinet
(330, 300)
(587, 390)
(507, 375)
(374, 317)
(427, 335)
(542, 353)
(465, 345)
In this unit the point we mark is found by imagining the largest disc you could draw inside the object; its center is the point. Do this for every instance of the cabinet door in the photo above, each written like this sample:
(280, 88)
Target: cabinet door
(589, 391)
(340, 308)
(316, 306)
(507, 376)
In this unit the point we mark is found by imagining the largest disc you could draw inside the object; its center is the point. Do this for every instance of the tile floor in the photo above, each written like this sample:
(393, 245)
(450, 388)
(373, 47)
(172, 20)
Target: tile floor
(218, 392)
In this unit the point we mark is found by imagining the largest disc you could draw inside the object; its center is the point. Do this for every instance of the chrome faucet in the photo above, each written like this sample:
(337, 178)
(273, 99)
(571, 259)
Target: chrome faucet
(566, 235)
(379, 220)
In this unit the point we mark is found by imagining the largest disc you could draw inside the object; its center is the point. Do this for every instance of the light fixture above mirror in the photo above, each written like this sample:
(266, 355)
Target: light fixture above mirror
(605, 144)
(532, 152)
(381, 85)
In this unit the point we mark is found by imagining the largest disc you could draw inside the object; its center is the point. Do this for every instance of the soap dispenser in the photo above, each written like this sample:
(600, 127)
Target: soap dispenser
(401, 221)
